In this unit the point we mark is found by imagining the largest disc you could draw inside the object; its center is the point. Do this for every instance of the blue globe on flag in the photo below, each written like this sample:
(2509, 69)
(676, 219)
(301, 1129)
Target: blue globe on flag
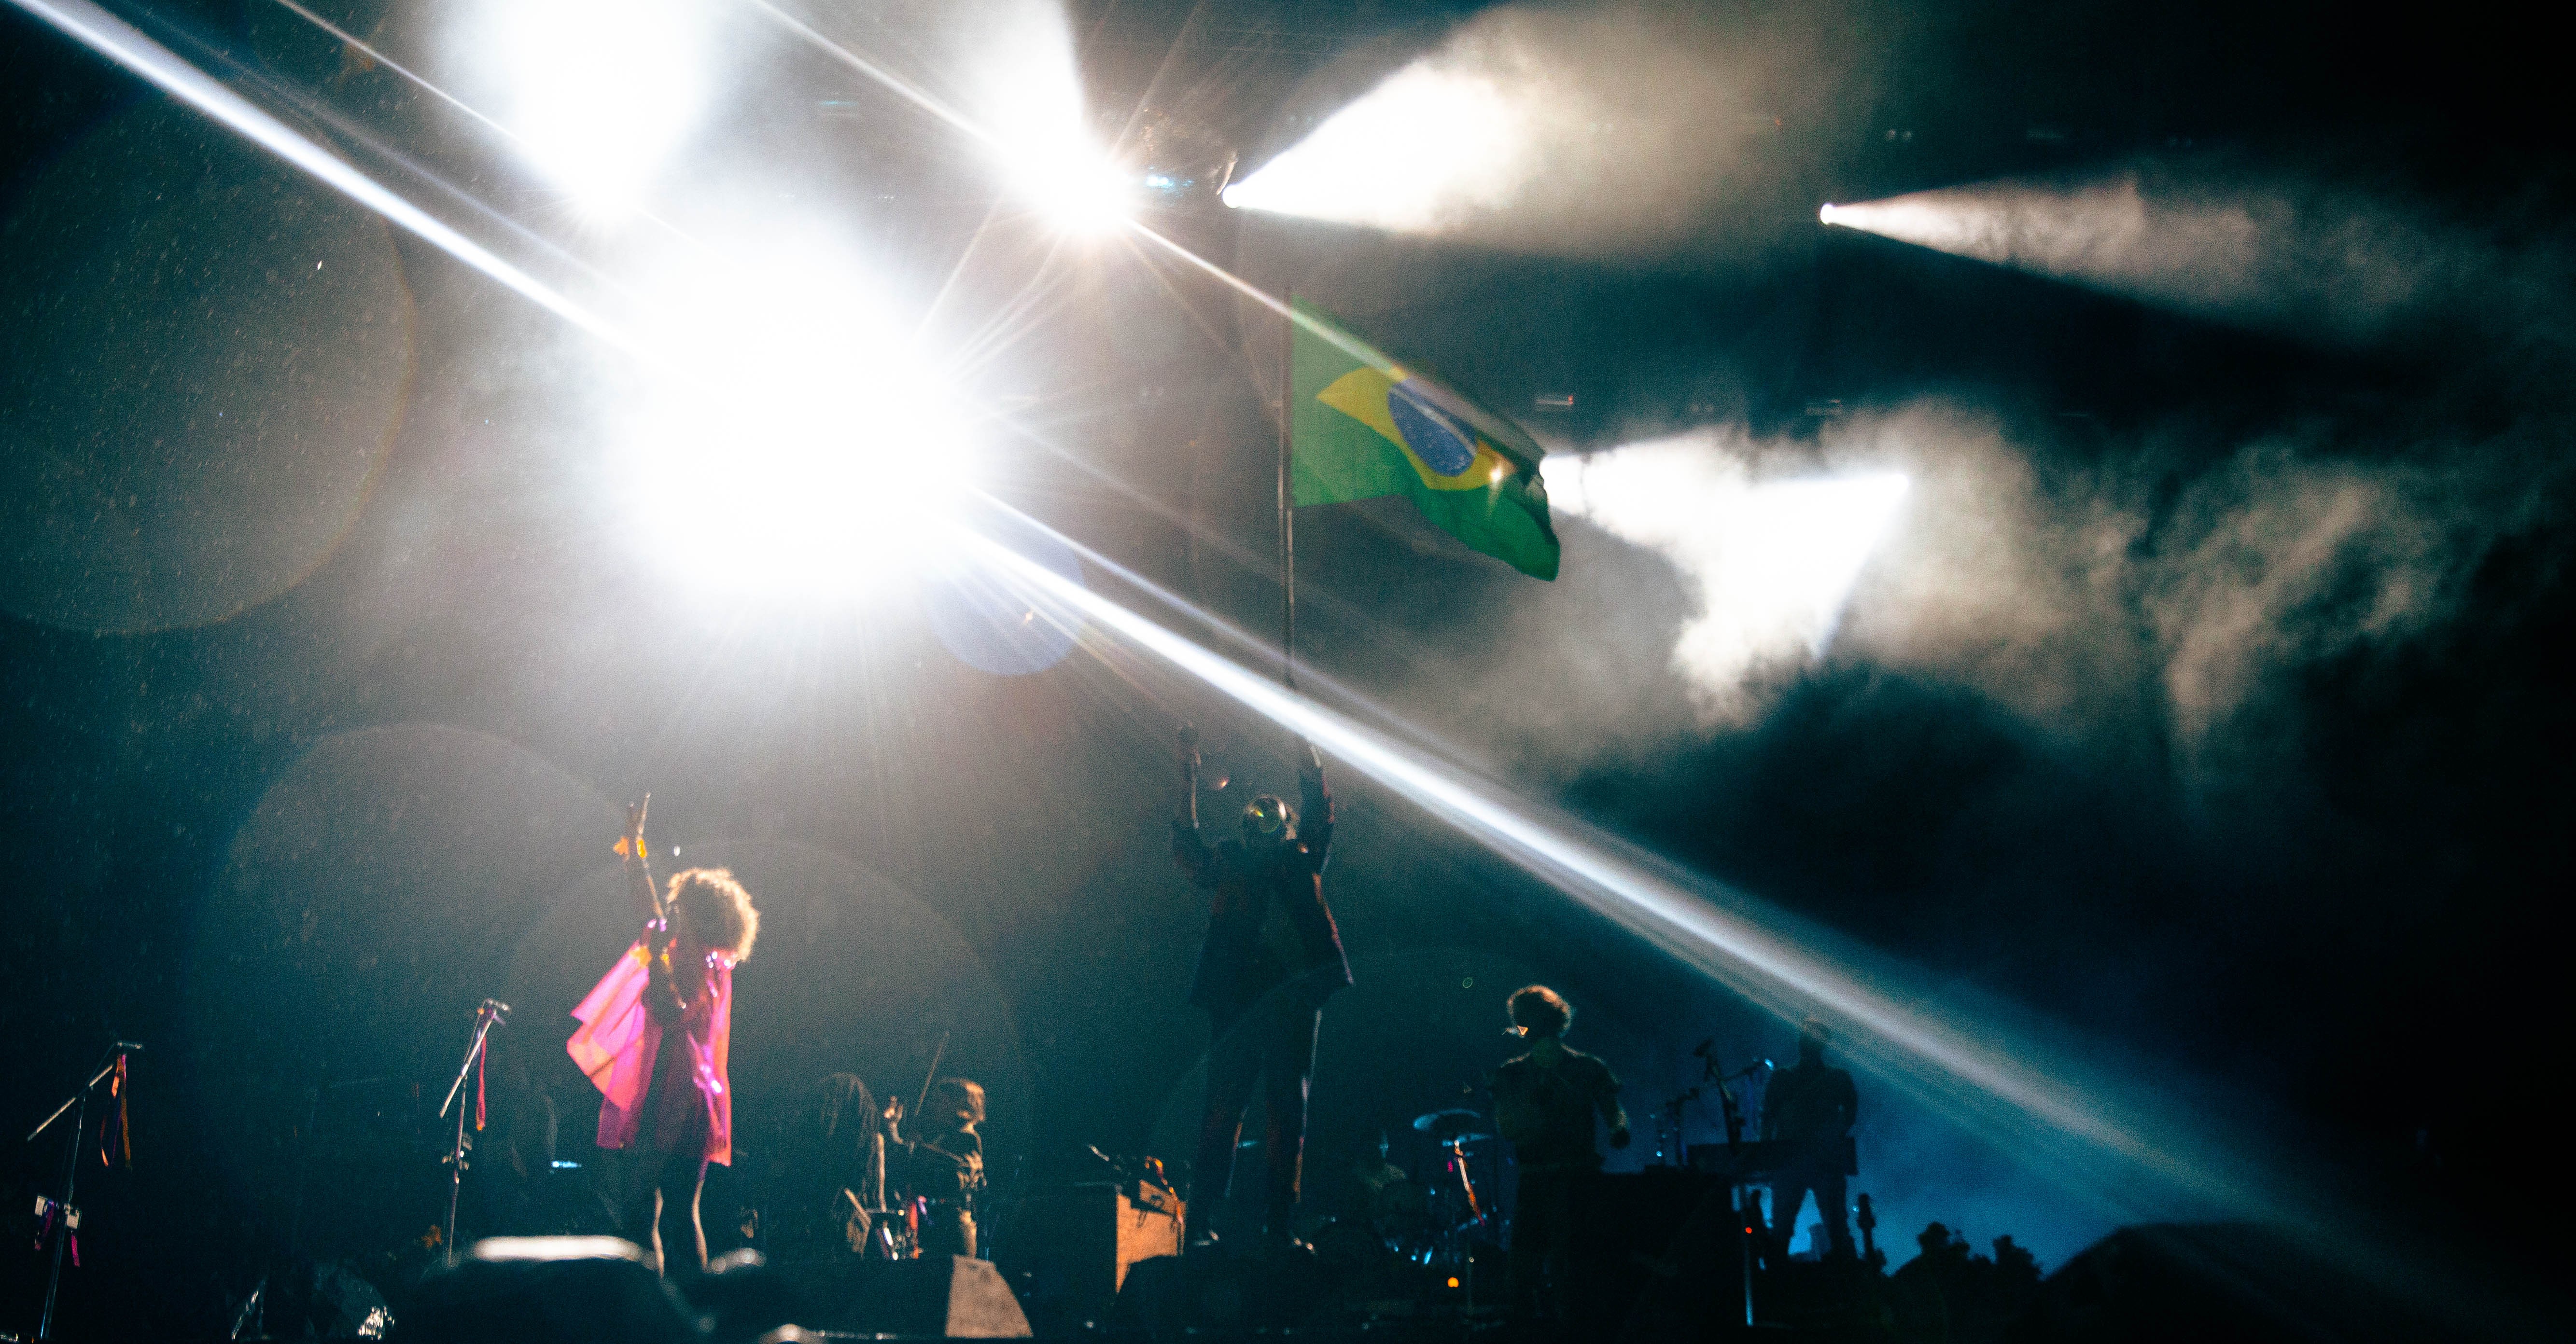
(1443, 441)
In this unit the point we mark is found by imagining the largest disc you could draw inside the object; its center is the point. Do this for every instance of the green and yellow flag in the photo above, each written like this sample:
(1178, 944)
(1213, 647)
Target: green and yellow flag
(1361, 426)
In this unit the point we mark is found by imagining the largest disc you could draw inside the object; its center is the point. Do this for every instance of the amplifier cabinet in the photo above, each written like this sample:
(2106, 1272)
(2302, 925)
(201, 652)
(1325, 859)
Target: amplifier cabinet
(1068, 1248)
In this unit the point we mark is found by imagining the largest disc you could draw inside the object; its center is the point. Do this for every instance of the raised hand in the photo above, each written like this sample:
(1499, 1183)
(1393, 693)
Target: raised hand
(639, 862)
(630, 843)
(1190, 775)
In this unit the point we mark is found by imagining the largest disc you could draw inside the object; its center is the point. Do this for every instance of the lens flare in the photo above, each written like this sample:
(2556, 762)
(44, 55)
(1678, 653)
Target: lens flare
(806, 449)
(120, 42)
(598, 92)
(1025, 91)
(1080, 193)
(1012, 89)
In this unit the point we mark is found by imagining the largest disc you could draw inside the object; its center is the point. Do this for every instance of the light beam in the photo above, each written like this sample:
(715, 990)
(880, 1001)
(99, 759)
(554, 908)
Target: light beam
(1975, 1072)
(2303, 257)
(2004, 1083)
(120, 42)
(1421, 151)
(1022, 107)
(597, 92)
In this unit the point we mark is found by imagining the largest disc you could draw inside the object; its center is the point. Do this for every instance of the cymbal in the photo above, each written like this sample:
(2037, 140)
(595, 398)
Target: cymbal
(1452, 1119)
(1462, 1140)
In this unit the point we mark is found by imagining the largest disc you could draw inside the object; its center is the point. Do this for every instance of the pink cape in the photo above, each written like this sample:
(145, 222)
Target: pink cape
(618, 1044)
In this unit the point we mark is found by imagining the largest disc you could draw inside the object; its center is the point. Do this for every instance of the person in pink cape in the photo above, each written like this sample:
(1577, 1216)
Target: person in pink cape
(653, 1039)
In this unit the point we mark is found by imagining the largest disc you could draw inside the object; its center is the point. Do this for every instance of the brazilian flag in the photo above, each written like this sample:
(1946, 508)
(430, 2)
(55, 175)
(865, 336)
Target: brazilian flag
(1362, 425)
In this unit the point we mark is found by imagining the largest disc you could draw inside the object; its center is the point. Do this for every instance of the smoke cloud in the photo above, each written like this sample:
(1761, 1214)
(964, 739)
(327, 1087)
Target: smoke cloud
(1771, 561)
(2134, 592)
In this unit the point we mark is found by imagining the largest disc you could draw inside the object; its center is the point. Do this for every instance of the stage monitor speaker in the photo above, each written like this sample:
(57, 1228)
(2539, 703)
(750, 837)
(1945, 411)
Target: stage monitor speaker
(937, 1295)
(547, 1290)
(1069, 1249)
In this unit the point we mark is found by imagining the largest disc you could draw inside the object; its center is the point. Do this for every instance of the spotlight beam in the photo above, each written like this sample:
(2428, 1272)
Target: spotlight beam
(1595, 869)
(1755, 963)
(1974, 1071)
(421, 82)
(894, 83)
(361, 45)
(972, 129)
(119, 41)
(1609, 875)
(2028, 1090)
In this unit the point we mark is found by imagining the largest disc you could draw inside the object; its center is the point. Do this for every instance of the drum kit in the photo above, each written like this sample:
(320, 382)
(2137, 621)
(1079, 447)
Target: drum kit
(888, 1232)
(1436, 1222)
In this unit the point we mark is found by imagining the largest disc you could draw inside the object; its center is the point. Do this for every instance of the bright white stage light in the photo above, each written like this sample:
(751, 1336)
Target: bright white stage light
(599, 92)
(1774, 561)
(1424, 148)
(1084, 194)
(1025, 92)
(1825, 213)
(801, 449)
(2320, 263)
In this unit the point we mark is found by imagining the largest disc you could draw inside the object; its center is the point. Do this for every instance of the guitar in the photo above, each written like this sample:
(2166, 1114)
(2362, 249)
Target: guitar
(666, 995)
(639, 864)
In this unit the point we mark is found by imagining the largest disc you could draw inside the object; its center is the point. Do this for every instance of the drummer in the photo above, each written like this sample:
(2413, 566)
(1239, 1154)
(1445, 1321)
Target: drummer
(1544, 1102)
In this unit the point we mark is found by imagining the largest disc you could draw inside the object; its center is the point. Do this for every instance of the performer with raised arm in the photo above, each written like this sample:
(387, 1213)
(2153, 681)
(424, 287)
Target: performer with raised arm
(1271, 958)
(653, 1038)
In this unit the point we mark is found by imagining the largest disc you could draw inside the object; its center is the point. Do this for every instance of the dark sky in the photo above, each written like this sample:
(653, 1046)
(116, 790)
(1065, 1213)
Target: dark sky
(2206, 703)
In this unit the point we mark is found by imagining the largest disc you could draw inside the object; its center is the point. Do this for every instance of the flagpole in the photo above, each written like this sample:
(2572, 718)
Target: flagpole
(1287, 510)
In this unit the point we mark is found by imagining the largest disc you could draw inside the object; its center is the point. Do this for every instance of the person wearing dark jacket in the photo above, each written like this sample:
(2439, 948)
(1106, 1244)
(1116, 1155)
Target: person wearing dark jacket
(1271, 958)
(1544, 1104)
(1810, 1107)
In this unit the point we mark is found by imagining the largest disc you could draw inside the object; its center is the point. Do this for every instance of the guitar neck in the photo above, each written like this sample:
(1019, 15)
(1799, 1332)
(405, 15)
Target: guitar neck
(648, 893)
(639, 865)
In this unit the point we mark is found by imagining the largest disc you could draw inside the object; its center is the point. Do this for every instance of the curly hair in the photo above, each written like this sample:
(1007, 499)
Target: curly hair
(960, 1097)
(1541, 1011)
(719, 911)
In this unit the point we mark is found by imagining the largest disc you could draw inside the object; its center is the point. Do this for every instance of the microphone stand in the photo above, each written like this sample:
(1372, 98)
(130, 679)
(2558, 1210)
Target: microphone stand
(1734, 1167)
(64, 1220)
(491, 1014)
